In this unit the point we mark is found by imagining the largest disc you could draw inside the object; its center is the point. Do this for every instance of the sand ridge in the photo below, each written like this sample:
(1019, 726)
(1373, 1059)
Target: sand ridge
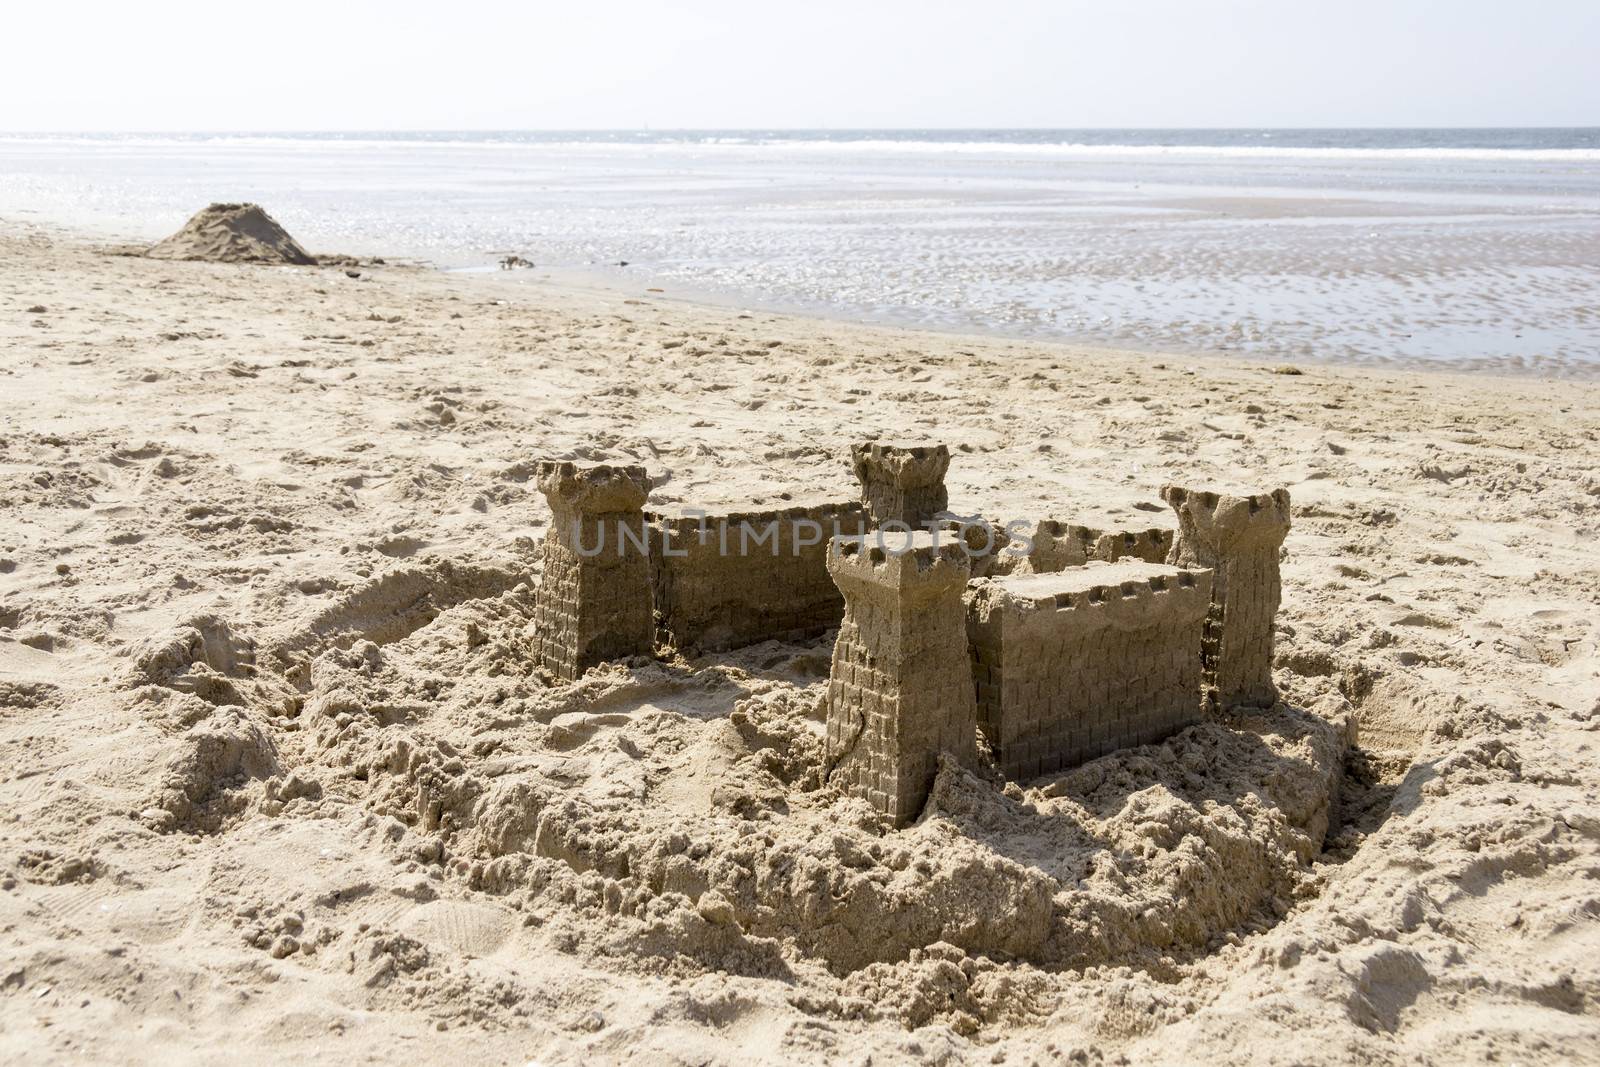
(277, 767)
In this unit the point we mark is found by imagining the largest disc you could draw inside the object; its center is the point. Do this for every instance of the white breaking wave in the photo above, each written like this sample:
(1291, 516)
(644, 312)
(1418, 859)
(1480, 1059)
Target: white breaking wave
(764, 145)
(1551, 155)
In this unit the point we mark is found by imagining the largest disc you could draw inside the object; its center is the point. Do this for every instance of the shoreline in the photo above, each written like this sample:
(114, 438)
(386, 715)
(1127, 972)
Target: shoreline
(1400, 263)
(599, 281)
(597, 284)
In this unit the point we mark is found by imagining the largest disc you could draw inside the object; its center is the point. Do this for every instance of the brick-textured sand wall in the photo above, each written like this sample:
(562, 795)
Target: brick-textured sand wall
(1071, 666)
(594, 602)
(899, 693)
(732, 579)
(902, 484)
(1239, 538)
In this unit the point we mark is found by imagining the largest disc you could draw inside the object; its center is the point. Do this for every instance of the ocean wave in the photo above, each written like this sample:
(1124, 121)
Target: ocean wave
(1554, 155)
(732, 143)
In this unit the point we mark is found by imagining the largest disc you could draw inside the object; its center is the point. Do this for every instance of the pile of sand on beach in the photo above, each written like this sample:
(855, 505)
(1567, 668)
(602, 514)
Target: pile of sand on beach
(233, 233)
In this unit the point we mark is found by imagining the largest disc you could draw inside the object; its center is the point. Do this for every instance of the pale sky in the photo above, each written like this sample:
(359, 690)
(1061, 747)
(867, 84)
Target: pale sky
(534, 64)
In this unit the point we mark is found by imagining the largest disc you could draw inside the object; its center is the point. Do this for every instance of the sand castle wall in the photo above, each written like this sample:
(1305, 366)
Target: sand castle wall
(732, 579)
(594, 603)
(900, 692)
(1238, 538)
(1058, 545)
(1053, 545)
(1072, 665)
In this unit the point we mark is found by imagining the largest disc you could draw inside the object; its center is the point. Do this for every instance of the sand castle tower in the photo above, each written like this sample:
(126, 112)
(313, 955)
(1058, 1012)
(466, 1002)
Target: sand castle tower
(594, 604)
(1237, 538)
(902, 484)
(900, 692)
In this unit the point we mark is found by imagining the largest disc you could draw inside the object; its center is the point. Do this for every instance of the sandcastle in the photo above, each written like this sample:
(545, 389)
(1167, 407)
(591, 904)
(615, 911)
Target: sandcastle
(902, 484)
(1071, 665)
(1237, 537)
(1085, 641)
(900, 692)
(594, 604)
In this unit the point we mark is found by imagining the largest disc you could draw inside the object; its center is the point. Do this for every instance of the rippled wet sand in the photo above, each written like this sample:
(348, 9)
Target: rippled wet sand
(1378, 258)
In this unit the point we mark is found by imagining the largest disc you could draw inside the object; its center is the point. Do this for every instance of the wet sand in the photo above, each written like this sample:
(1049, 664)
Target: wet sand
(1442, 259)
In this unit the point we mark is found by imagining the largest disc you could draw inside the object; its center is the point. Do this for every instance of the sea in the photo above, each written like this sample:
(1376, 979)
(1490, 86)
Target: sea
(1455, 249)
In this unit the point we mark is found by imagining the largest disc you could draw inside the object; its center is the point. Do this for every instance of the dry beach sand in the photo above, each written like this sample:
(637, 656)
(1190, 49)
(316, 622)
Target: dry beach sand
(276, 779)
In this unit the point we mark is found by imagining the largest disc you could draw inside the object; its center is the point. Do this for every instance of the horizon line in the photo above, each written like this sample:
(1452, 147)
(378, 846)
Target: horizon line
(772, 129)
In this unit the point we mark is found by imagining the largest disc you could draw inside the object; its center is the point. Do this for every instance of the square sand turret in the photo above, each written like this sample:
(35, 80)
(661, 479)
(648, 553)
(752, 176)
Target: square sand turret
(900, 692)
(902, 484)
(1071, 665)
(1237, 537)
(594, 603)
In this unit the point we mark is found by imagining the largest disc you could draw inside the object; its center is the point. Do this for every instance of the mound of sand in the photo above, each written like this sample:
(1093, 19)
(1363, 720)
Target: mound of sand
(232, 233)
